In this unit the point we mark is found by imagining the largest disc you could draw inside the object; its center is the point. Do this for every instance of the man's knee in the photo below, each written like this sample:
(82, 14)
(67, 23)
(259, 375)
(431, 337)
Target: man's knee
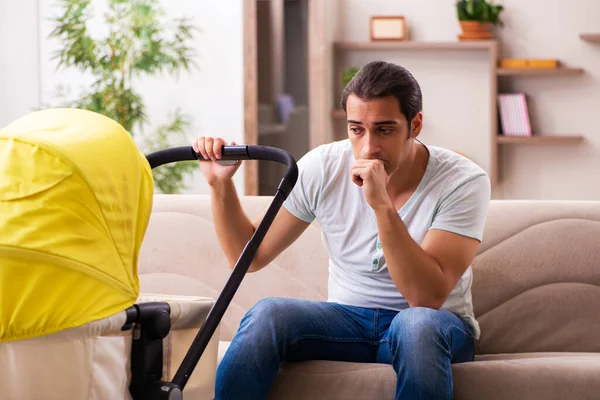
(272, 312)
(419, 320)
(270, 307)
(417, 327)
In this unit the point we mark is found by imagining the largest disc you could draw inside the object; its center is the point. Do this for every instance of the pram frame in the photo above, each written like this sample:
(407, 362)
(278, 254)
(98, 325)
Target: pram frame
(151, 321)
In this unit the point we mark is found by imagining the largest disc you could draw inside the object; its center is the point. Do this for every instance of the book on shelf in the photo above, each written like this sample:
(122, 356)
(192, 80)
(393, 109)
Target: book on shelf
(528, 63)
(514, 114)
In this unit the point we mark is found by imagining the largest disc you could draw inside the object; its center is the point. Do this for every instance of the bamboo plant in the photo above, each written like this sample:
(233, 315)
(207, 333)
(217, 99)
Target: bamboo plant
(139, 43)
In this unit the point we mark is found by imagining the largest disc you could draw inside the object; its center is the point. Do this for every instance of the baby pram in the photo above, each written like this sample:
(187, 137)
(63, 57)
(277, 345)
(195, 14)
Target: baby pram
(75, 201)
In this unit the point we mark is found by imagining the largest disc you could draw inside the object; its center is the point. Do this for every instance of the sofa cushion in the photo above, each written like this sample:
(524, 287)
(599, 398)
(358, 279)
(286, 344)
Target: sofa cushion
(536, 283)
(223, 346)
(532, 376)
(316, 380)
(181, 255)
(548, 376)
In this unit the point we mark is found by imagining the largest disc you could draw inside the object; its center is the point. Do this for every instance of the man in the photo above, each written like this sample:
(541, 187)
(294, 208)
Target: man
(402, 222)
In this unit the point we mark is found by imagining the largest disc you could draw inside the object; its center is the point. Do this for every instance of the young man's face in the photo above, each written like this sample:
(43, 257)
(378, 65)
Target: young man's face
(378, 130)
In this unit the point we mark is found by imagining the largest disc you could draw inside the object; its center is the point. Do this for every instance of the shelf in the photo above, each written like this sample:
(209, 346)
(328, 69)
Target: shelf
(563, 71)
(538, 139)
(591, 37)
(496, 74)
(414, 45)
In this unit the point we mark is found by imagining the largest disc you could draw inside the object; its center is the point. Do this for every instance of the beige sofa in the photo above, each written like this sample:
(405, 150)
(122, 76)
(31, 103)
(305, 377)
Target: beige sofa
(536, 293)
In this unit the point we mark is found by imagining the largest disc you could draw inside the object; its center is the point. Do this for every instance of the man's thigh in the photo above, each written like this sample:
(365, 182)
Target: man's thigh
(315, 330)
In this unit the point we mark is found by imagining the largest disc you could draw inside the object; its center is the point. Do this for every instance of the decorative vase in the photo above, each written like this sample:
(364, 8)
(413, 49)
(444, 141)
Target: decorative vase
(475, 30)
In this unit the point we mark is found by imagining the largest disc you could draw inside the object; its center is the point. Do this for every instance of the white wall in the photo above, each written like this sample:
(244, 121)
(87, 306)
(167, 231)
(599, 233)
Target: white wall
(563, 105)
(19, 80)
(560, 105)
(431, 20)
(213, 94)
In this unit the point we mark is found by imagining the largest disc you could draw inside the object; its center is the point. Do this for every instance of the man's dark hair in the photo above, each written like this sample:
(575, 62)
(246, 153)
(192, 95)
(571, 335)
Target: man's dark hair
(381, 79)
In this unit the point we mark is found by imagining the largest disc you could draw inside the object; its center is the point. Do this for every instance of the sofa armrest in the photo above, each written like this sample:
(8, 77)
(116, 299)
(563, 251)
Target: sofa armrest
(188, 313)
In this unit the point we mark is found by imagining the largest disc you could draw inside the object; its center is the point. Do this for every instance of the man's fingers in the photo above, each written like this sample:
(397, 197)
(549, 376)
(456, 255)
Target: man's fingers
(217, 146)
(359, 174)
(201, 147)
(209, 148)
(356, 170)
(368, 168)
(365, 162)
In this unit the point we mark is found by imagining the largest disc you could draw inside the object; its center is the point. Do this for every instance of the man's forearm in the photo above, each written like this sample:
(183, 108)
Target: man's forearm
(415, 273)
(233, 227)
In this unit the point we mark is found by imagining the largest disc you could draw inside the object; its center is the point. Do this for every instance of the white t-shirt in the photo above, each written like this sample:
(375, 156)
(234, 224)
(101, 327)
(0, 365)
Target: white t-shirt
(453, 195)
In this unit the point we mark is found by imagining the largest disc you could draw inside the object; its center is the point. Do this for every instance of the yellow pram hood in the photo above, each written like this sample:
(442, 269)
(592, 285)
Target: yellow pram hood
(75, 200)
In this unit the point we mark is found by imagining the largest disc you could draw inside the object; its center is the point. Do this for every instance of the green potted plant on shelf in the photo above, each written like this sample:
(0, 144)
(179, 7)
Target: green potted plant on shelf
(476, 17)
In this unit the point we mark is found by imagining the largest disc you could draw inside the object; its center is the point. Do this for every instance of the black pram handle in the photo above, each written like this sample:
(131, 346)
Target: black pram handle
(243, 263)
(261, 153)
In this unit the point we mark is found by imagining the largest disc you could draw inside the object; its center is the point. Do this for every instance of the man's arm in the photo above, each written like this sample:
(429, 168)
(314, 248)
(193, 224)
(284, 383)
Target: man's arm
(426, 274)
(234, 229)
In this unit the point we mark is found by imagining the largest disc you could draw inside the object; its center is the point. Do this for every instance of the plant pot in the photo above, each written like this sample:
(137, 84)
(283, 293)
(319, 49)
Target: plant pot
(474, 30)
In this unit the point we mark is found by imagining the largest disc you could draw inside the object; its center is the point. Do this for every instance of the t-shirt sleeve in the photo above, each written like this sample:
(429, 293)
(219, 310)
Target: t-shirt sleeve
(464, 211)
(303, 200)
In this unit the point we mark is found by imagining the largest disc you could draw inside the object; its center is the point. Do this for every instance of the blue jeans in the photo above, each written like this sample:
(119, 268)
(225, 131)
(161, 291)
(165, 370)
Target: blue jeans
(420, 343)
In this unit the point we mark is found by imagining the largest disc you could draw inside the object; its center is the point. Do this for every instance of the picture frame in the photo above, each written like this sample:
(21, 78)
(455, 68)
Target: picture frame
(389, 28)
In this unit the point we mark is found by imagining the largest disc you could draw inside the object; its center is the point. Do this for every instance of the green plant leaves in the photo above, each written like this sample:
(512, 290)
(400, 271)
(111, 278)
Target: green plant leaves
(169, 178)
(479, 10)
(348, 74)
(140, 41)
(470, 8)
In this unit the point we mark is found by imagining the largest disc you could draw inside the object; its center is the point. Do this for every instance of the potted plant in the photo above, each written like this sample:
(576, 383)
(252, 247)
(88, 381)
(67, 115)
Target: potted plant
(476, 17)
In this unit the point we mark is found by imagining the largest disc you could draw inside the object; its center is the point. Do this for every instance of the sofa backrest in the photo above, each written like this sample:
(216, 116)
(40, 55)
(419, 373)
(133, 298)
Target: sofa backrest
(536, 276)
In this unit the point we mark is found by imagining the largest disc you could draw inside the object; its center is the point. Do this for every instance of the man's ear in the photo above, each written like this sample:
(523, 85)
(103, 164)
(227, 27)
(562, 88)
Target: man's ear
(415, 125)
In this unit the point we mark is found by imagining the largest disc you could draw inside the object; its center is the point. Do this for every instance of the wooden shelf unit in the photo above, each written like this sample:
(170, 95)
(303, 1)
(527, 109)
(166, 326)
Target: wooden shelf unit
(590, 37)
(492, 48)
(562, 71)
(539, 139)
(414, 45)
